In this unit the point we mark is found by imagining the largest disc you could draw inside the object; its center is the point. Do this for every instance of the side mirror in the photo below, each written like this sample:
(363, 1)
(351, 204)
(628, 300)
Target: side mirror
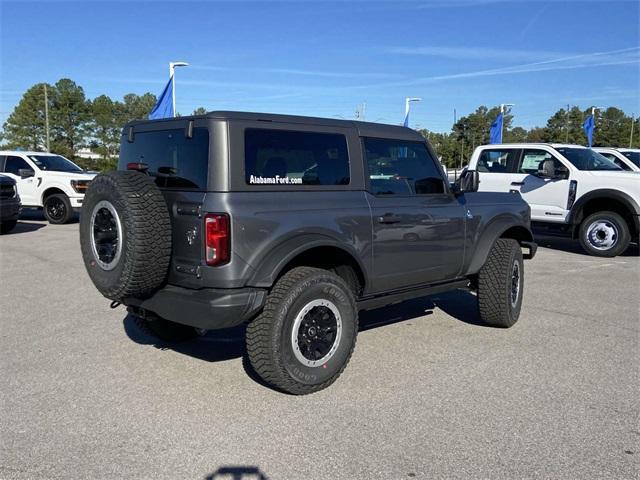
(26, 173)
(468, 182)
(547, 169)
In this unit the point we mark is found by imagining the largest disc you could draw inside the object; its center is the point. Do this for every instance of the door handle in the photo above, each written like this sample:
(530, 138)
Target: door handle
(389, 218)
(517, 184)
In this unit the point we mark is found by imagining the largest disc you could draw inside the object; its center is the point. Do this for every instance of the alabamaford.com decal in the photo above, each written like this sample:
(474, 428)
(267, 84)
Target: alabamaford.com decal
(277, 180)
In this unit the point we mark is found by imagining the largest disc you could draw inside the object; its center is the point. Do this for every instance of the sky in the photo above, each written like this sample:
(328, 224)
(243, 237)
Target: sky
(320, 58)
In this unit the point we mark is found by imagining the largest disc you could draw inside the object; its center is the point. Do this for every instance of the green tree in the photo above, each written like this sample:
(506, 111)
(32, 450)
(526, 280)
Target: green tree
(137, 107)
(199, 111)
(473, 130)
(106, 126)
(613, 128)
(25, 126)
(446, 147)
(69, 118)
(515, 135)
(565, 126)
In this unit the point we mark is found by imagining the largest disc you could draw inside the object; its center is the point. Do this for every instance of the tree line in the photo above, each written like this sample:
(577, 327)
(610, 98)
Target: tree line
(77, 122)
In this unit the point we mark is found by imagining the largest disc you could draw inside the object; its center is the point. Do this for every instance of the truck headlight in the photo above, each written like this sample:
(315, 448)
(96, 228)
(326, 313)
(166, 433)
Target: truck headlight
(80, 186)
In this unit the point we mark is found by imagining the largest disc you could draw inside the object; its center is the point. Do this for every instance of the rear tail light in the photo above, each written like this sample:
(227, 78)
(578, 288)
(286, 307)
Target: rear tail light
(217, 238)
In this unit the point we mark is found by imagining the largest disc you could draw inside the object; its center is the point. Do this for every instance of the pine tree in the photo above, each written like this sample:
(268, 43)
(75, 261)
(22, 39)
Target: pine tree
(25, 127)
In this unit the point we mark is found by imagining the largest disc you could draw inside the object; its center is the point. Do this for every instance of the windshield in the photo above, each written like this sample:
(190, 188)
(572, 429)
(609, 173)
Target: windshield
(633, 156)
(587, 159)
(54, 163)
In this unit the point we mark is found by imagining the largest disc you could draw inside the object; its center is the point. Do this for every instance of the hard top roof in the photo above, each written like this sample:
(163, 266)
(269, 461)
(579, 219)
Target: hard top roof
(365, 128)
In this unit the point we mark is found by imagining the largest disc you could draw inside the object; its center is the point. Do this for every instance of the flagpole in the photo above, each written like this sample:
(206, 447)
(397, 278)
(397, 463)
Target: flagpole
(172, 71)
(502, 109)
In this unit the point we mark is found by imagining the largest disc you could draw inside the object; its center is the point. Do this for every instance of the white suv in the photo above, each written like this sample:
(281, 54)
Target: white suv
(569, 188)
(47, 181)
(626, 158)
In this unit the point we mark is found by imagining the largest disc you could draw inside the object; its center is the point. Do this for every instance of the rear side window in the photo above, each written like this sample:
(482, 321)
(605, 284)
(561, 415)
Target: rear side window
(532, 161)
(498, 161)
(283, 157)
(398, 167)
(616, 160)
(174, 160)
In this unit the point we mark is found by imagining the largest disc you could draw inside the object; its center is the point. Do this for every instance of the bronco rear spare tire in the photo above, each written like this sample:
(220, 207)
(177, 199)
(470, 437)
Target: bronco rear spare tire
(125, 235)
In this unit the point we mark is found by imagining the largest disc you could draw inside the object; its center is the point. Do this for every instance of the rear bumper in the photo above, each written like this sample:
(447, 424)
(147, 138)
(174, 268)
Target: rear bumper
(208, 308)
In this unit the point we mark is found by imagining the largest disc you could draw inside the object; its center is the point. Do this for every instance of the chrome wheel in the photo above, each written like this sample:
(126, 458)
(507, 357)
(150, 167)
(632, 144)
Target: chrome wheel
(602, 234)
(106, 235)
(316, 332)
(515, 283)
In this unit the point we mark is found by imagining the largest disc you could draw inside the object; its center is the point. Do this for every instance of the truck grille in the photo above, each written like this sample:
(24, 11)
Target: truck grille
(7, 191)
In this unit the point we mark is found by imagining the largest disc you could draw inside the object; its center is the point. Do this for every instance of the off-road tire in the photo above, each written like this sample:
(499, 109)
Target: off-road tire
(269, 336)
(146, 235)
(7, 226)
(165, 330)
(495, 284)
(622, 239)
(63, 201)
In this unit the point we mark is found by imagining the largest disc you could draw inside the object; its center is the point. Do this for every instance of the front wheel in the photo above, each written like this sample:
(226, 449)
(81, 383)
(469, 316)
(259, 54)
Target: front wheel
(304, 337)
(57, 208)
(501, 284)
(604, 234)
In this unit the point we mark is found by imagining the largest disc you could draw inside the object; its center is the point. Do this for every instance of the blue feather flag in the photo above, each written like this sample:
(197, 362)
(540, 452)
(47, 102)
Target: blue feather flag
(164, 106)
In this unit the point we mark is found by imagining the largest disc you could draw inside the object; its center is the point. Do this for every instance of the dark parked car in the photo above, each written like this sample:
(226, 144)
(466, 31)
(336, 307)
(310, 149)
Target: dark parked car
(293, 225)
(9, 204)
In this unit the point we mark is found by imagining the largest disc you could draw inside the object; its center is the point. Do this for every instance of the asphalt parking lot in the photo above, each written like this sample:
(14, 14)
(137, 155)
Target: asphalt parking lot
(429, 392)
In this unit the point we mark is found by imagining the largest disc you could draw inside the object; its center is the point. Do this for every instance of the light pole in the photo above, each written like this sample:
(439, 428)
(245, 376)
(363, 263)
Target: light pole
(407, 107)
(502, 110)
(172, 68)
(566, 121)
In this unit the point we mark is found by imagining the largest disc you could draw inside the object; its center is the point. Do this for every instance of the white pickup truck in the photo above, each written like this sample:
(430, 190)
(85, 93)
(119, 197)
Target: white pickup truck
(569, 188)
(625, 158)
(47, 181)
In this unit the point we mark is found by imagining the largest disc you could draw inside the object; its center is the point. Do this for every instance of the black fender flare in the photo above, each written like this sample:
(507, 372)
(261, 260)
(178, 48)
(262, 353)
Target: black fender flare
(279, 256)
(575, 215)
(492, 232)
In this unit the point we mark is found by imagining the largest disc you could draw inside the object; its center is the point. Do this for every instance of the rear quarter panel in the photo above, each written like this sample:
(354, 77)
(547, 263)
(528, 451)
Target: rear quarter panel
(268, 230)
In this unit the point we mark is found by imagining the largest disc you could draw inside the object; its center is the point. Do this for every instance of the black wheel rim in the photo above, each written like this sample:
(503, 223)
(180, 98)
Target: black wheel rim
(316, 332)
(106, 235)
(56, 209)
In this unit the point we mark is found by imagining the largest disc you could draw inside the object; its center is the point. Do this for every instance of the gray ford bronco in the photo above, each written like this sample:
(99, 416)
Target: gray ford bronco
(292, 225)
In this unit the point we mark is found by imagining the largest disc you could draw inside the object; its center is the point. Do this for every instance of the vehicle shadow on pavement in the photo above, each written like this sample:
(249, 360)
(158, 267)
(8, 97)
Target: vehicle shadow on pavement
(215, 346)
(566, 244)
(37, 215)
(237, 472)
(459, 304)
(228, 344)
(25, 227)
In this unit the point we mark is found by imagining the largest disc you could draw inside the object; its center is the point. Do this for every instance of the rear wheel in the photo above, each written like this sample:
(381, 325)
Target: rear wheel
(604, 234)
(57, 208)
(304, 337)
(500, 284)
